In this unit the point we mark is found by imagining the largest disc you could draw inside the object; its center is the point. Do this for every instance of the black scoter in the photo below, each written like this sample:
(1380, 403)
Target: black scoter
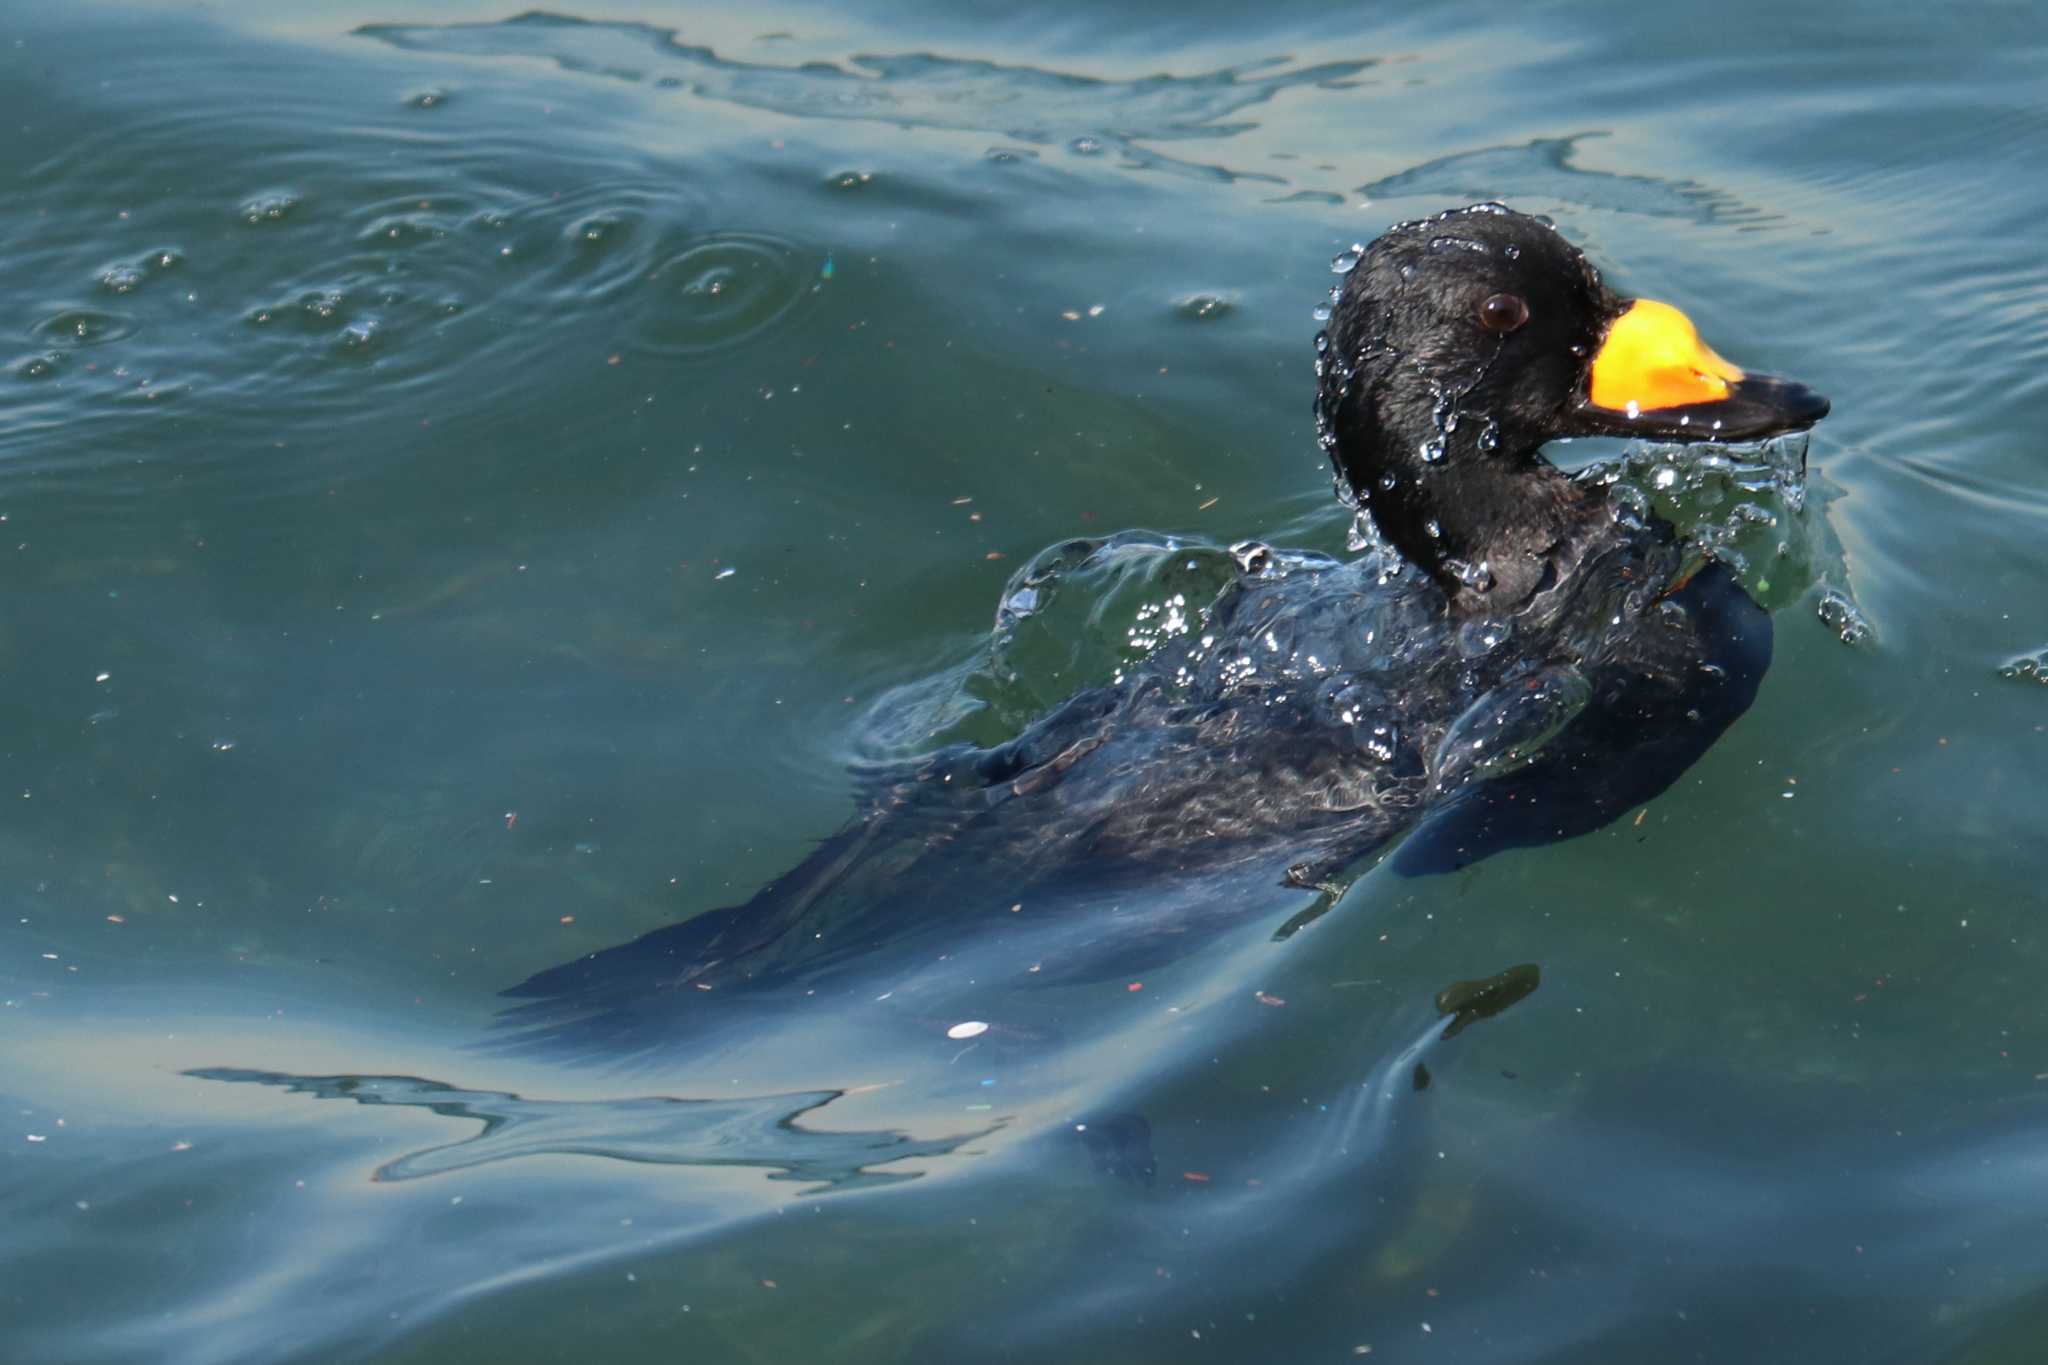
(1521, 660)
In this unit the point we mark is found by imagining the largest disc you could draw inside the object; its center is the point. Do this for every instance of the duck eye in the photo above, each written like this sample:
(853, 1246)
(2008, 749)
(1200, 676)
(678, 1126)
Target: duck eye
(1503, 313)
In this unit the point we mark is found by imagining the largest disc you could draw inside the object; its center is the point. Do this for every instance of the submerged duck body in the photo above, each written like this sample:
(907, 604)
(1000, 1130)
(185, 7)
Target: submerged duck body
(1521, 660)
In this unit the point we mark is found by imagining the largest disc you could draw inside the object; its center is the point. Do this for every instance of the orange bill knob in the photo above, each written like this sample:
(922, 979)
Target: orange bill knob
(1653, 358)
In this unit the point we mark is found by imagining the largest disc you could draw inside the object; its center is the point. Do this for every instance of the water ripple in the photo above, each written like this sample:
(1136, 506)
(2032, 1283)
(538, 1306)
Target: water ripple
(82, 327)
(721, 291)
(419, 261)
(1543, 169)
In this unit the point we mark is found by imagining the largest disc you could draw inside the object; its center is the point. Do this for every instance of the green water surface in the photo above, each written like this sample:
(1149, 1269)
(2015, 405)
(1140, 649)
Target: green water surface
(472, 483)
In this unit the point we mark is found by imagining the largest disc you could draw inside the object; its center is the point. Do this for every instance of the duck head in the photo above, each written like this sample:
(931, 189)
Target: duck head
(1458, 345)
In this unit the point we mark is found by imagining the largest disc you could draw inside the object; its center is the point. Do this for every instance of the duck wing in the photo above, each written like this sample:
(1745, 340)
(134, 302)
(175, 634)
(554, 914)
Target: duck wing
(1652, 714)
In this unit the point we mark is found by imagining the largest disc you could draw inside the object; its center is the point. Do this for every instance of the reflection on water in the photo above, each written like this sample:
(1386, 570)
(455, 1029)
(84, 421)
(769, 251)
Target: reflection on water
(655, 1129)
(1087, 115)
(1546, 168)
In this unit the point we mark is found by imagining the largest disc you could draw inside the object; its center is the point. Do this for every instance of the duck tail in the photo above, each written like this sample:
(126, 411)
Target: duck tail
(679, 980)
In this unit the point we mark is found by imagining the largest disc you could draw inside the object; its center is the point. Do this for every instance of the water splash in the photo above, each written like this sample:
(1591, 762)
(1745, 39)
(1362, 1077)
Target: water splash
(1746, 506)
(1838, 612)
(1082, 611)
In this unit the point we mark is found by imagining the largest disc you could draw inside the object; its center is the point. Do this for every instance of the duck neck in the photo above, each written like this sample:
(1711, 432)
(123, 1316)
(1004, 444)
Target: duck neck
(1493, 528)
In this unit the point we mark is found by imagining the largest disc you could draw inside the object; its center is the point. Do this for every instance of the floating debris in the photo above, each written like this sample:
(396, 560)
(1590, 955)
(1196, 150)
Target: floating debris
(1470, 1001)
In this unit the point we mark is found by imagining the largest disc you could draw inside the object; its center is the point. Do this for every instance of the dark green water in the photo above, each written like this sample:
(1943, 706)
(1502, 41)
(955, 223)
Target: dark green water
(472, 488)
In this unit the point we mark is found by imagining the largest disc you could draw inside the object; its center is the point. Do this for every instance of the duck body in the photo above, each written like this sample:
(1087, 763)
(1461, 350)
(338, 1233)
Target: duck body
(1520, 660)
(1326, 706)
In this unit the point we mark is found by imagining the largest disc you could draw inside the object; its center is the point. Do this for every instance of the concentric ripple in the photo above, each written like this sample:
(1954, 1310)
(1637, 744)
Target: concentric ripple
(721, 292)
(82, 327)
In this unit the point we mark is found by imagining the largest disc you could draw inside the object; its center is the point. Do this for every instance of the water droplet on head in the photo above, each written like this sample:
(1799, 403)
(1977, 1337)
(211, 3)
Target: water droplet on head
(1343, 262)
(1478, 577)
